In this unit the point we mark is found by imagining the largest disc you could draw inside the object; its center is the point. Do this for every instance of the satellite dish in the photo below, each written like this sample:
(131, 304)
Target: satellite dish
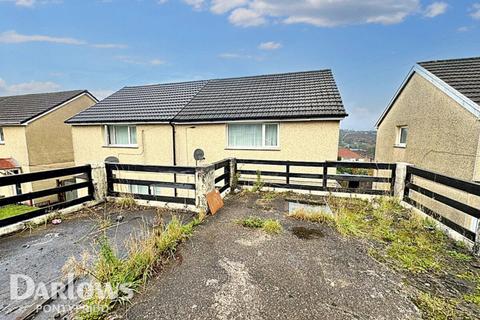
(112, 160)
(198, 155)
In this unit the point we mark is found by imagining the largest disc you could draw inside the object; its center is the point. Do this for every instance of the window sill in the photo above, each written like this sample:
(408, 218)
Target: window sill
(127, 146)
(400, 146)
(253, 148)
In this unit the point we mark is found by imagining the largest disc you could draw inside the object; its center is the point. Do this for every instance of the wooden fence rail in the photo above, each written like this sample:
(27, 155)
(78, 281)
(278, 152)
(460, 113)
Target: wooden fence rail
(113, 180)
(322, 178)
(80, 172)
(442, 180)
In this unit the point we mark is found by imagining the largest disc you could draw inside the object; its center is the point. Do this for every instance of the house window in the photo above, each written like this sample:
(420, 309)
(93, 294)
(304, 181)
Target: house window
(2, 138)
(402, 135)
(253, 135)
(121, 135)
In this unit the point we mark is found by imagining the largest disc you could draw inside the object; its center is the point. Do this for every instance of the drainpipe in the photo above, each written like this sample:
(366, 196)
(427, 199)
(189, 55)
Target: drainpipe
(174, 152)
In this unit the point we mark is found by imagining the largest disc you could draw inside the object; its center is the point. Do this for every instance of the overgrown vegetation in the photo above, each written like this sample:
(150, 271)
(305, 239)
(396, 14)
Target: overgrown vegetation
(270, 226)
(126, 202)
(12, 210)
(312, 216)
(259, 184)
(414, 246)
(111, 270)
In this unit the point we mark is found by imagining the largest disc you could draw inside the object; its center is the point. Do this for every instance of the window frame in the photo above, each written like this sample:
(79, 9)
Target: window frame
(263, 146)
(108, 138)
(399, 142)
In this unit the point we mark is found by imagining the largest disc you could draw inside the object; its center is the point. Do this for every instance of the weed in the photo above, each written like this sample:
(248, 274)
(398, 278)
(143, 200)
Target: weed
(268, 225)
(252, 222)
(126, 202)
(272, 226)
(269, 196)
(313, 216)
(259, 184)
(143, 255)
(459, 256)
(435, 308)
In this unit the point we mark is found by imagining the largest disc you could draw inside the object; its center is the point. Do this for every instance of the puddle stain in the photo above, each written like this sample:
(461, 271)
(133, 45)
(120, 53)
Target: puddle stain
(307, 233)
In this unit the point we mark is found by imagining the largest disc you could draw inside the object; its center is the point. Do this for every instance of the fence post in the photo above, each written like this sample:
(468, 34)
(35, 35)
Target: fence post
(109, 177)
(233, 175)
(476, 246)
(287, 171)
(204, 183)
(400, 180)
(325, 176)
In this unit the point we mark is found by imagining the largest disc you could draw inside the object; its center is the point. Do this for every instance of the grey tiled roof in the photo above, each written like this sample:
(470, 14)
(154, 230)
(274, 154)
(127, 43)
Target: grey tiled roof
(19, 109)
(461, 74)
(160, 102)
(312, 94)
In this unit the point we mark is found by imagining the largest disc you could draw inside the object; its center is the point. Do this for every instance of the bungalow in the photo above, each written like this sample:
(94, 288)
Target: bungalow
(33, 135)
(291, 116)
(433, 119)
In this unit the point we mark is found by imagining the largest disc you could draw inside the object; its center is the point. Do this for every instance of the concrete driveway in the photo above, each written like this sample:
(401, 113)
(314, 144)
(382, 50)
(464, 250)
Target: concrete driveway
(227, 271)
(41, 253)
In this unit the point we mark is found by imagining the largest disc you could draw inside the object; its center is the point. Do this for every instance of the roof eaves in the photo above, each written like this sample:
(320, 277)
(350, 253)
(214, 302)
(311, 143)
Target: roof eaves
(28, 120)
(461, 99)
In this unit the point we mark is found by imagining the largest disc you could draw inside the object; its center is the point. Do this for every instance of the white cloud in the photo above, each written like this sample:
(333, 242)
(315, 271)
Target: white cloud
(109, 46)
(270, 45)
(322, 13)
(228, 55)
(435, 9)
(31, 3)
(464, 29)
(197, 4)
(25, 3)
(130, 60)
(14, 37)
(475, 11)
(27, 87)
(222, 6)
(246, 18)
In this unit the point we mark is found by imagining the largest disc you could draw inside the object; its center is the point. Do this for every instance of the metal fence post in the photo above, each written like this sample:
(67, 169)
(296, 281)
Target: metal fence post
(476, 246)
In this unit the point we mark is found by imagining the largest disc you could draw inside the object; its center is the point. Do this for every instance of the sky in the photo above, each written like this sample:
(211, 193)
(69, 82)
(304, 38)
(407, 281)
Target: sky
(104, 45)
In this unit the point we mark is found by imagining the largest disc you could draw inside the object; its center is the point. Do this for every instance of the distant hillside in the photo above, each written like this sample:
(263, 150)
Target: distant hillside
(362, 141)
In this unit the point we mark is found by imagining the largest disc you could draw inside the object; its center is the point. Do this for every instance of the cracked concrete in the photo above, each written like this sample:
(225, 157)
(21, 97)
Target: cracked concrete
(226, 271)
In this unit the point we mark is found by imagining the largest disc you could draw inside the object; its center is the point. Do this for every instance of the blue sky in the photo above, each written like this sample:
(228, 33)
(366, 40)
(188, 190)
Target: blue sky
(50, 45)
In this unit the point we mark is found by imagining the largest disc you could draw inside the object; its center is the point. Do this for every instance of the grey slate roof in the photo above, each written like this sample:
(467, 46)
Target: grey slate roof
(16, 110)
(311, 94)
(461, 74)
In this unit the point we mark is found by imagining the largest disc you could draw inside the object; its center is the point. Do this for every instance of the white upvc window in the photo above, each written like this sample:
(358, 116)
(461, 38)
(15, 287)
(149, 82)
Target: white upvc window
(253, 135)
(2, 137)
(121, 135)
(402, 136)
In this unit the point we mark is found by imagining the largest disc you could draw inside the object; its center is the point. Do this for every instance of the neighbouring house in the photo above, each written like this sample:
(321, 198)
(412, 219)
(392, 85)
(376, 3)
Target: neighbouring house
(346, 154)
(34, 137)
(291, 116)
(433, 121)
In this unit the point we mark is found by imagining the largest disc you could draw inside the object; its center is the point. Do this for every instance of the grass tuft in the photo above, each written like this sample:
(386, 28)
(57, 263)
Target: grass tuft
(435, 308)
(312, 216)
(270, 226)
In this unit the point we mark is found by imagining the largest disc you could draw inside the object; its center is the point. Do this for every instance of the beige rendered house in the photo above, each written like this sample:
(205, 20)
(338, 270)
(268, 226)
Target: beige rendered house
(433, 119)
(292, 116)
(33, 135)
